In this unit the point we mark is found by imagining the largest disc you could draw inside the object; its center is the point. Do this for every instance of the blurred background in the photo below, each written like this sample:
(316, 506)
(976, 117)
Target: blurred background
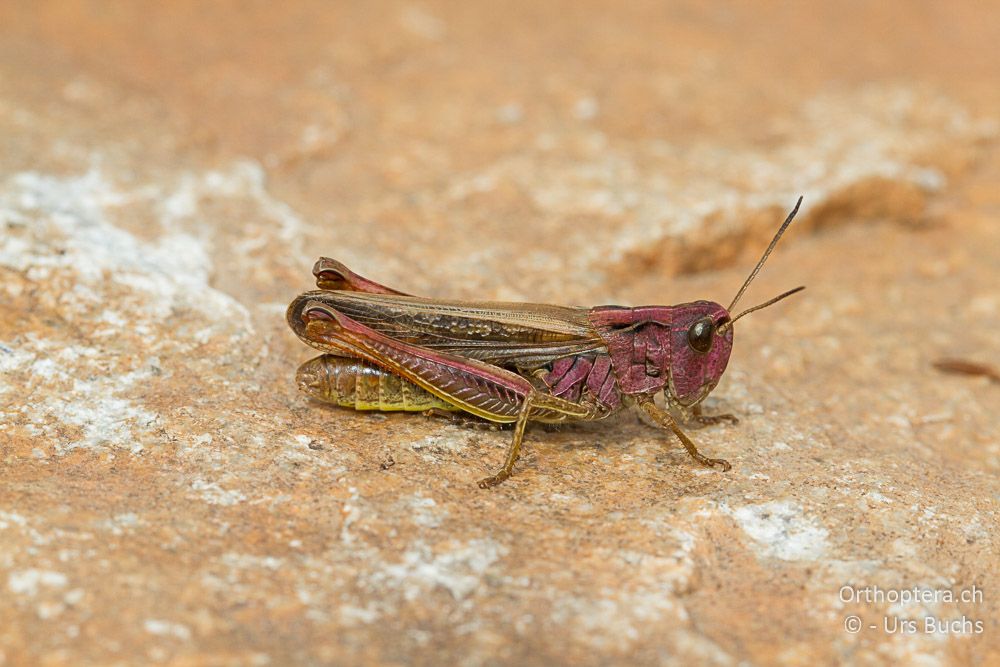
(170, 171)
(467, 138)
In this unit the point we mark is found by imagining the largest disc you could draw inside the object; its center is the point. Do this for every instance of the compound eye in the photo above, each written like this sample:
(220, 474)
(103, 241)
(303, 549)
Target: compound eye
(701, 334)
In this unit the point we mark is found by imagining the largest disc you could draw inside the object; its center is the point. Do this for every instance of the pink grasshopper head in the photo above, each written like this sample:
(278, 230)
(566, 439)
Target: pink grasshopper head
(701, 337)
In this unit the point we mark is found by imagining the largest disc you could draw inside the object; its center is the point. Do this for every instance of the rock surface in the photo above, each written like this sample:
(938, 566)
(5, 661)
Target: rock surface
(170, 172)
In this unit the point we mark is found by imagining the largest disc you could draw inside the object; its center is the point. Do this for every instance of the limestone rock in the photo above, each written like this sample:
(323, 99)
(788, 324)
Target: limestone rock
(170, 173)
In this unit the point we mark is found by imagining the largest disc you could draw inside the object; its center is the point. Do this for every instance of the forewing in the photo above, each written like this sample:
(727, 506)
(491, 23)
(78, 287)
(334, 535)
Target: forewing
(505, 334)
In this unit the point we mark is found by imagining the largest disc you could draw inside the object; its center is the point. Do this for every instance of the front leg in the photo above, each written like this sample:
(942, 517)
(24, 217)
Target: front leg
(664, 419)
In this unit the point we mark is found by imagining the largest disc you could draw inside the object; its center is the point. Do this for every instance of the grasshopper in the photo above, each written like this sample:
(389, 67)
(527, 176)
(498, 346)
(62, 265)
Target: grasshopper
(512, 363)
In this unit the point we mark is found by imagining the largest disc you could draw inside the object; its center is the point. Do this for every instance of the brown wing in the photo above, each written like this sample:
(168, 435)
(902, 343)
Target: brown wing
(505, 334)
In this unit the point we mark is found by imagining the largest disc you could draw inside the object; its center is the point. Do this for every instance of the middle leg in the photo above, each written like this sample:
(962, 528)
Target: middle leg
(664, 419)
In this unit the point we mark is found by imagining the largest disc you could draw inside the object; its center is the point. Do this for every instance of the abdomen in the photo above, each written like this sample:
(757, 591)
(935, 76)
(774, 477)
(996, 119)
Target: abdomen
(355, 383)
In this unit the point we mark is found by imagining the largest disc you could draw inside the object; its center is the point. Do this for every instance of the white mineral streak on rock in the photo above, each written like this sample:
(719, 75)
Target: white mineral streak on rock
(781, 529)
(29, 582)
(163, 628)
(459, 570)
(244, 180)
(424, 511)
(73, 213)
(214, 494)
(615, 619)
(67, 232)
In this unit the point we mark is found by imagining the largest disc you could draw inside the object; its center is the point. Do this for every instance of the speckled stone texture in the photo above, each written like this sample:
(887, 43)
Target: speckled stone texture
(170, 171)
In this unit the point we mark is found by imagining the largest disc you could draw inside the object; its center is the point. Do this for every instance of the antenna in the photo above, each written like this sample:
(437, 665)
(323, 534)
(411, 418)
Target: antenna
(764, 305)
(756, 269)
